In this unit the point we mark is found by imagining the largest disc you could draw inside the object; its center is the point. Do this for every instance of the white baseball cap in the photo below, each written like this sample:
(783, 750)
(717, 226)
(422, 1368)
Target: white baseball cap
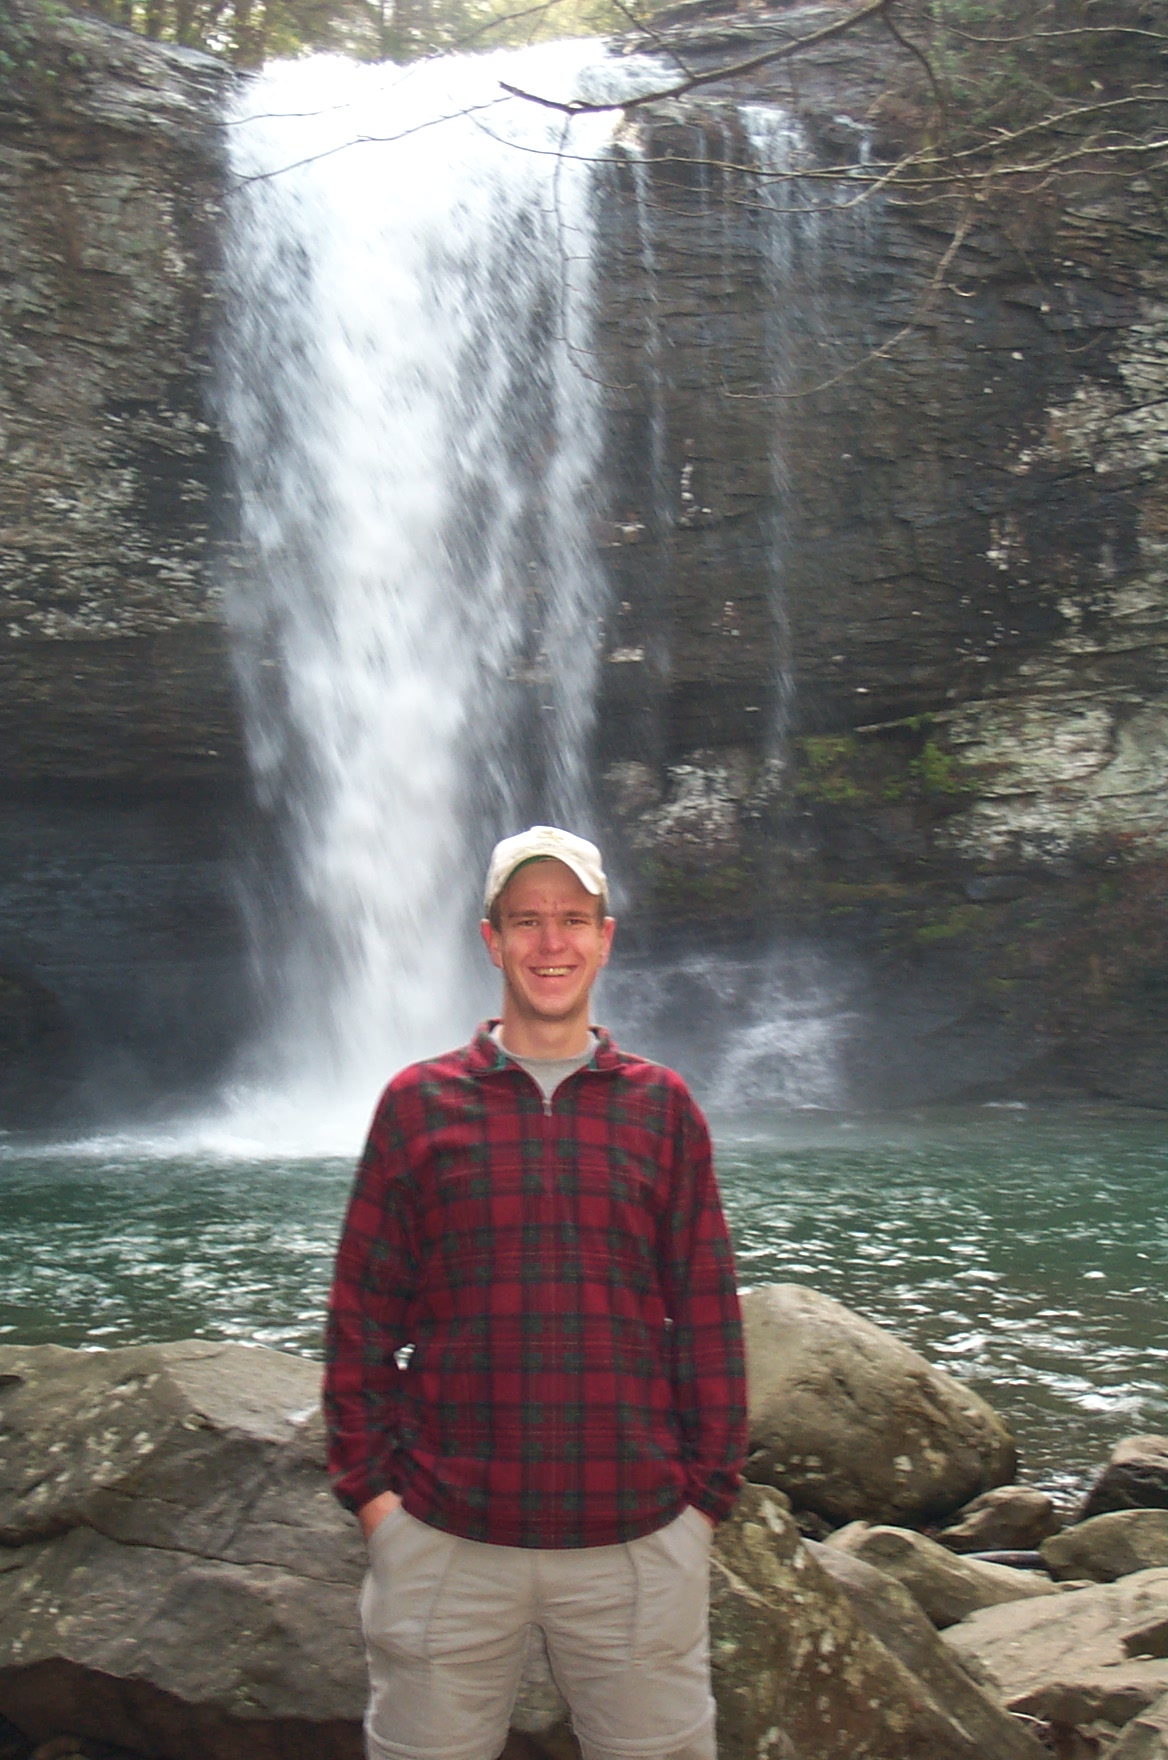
(544, 840)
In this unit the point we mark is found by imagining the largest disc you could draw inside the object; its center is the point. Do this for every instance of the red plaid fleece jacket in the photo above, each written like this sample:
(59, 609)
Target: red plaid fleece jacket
(565, 1279)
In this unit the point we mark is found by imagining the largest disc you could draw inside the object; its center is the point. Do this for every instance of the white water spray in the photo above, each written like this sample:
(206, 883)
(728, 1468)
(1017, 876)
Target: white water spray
(410, 389)
(410, 392)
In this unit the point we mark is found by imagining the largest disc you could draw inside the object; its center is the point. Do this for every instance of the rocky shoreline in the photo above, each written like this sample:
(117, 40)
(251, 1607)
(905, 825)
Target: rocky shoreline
(177, 1582)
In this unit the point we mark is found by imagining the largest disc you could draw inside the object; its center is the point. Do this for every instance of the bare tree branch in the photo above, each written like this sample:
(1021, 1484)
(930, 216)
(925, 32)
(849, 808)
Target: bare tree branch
(940, 97)
(732, 70)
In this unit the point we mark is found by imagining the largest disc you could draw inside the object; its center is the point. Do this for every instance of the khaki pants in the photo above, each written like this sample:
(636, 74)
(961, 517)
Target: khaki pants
(626, 1629)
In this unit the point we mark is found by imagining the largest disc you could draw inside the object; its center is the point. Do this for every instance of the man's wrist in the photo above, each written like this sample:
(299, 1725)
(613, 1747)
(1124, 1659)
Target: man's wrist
(372, 1514)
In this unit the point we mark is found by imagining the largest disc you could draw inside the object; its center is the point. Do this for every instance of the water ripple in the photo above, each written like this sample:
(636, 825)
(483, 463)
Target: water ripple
(1024, 1252)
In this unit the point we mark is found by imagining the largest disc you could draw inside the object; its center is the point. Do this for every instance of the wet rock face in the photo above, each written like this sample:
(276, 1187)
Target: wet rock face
(886, 645)
(111, 643)
(121, 765)
(969, 525)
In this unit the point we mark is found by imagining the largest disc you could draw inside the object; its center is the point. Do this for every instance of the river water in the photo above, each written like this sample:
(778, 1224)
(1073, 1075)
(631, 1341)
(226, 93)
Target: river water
(1022, 1249)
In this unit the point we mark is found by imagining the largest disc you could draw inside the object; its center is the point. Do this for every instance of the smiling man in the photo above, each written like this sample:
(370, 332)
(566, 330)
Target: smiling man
(535, 1388)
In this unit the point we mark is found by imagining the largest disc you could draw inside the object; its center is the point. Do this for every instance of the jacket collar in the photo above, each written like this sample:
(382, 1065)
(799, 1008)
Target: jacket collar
(484, 1057)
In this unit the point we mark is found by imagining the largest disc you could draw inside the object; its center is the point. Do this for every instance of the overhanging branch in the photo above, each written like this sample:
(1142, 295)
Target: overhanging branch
(691, 82)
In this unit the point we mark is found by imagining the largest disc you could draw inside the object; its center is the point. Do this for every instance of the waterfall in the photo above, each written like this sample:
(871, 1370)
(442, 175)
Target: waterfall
(766, 1026)
(409, 390)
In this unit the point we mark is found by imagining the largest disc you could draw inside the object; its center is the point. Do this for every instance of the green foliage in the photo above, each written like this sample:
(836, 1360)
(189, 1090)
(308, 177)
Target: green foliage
(1007, 64)
(36, 47)
(826, 751)
(962, 920)
(937, 770)
(901, 762)
(245, 32)
(249, 32)
(829, 759)
(683, 892)
(18, 47)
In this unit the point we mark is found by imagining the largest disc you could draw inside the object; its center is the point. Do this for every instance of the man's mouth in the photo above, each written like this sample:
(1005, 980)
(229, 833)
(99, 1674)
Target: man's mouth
(552, 971)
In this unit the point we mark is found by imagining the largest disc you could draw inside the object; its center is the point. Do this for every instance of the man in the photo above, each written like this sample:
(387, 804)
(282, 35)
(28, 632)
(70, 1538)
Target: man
(535, 1388)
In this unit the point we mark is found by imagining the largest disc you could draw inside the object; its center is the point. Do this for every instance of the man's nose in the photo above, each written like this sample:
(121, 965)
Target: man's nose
(551, 934)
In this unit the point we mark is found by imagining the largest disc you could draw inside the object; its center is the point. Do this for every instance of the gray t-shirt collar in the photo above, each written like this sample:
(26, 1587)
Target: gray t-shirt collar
(548, 1072)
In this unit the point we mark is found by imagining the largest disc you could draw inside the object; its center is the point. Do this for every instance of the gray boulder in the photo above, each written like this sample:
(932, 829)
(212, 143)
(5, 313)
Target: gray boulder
(178, 1656)
(176, 1577)
(893, 1616)
(945, 1587)
(1145, 1737)
(1135, 1477)
(203, 1449)
(800, 1675)
(175, 1574)
(1010, 1518)
(1109, 1546)
(852, 1423)
(1082, 1662)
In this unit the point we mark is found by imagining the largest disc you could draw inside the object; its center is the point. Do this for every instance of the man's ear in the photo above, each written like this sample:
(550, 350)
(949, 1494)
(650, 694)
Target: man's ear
(607, 930)
(491, 942)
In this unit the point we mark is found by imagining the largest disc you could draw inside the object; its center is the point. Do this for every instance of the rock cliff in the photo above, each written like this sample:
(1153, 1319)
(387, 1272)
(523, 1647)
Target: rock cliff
(120, 751)
(887, 672)
(885, 655)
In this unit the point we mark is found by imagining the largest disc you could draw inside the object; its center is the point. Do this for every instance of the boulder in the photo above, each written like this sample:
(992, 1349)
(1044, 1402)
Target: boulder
(1010, 1518)
(1146, 1736)
(175, 1574)
(212, 1450)
(1109, 1546)
(852, 1423)
(945, 1588)
(177, 1580)
(1135, 1477)
(893, 1616)
(799, 1675)
(178, 1656)
(1085, 1660)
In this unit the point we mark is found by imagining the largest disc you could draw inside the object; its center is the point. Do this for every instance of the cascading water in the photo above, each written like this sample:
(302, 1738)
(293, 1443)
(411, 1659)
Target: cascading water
(409, 391)
(765, 1026)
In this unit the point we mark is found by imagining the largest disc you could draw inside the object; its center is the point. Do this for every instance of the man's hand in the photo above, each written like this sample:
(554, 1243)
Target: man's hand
(375, 1511)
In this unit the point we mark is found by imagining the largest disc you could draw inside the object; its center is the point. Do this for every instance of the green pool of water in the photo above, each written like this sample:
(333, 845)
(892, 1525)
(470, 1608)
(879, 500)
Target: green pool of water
(1024, 1250)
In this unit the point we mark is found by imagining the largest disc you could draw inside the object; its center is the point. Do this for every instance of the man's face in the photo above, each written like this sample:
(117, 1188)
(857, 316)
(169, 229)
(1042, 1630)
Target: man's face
(551, 942)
